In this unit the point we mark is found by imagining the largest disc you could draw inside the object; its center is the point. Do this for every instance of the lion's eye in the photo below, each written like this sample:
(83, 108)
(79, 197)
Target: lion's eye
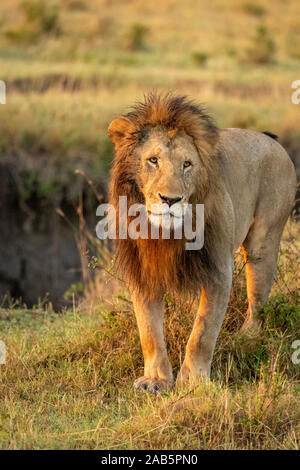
(153, 160)
(187, 163)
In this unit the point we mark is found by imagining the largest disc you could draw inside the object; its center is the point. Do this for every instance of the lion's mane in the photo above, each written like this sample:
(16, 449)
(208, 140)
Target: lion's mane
(157, 266)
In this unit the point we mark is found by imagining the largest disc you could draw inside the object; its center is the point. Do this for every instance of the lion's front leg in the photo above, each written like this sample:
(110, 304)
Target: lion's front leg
(207, 325)
(158, 376)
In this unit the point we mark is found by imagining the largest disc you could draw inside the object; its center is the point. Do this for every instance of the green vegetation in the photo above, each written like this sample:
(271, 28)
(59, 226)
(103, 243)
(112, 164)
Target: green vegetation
(68, 379)
(254, 9)
(39, 19)
(199, 58)
(37, 12)
(71, 67)
(263, 48)
(136, 37)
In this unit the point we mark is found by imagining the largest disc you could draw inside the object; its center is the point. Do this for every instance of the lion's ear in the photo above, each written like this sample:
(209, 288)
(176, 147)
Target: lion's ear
(119, 129)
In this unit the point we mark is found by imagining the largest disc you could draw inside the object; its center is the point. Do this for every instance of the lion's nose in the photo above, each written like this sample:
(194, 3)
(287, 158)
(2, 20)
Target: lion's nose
(170, 200)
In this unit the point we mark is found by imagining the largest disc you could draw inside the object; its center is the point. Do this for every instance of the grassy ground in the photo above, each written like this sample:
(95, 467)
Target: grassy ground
(70, 67)
(68, 379)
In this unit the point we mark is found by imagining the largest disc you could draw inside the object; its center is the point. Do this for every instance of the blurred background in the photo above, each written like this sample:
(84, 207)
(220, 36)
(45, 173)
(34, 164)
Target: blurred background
(71, 66)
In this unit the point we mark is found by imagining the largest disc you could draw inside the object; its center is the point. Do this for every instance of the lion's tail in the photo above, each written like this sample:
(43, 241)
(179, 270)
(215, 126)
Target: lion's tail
(270, 134)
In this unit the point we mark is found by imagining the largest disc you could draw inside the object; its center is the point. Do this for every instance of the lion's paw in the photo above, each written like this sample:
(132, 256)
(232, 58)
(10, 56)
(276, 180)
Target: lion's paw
(251, 326)
(152, 385)
(186, 377)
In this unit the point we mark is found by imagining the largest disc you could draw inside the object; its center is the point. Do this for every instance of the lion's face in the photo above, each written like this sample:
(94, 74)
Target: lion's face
(169, 166)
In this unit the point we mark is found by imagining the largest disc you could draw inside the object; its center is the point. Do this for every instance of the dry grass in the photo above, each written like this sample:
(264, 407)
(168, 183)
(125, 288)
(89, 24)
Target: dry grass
(66, 84)
(76, 81)
(68, 378)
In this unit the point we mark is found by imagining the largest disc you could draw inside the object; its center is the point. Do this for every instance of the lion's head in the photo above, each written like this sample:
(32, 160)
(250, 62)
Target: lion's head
(165, 158)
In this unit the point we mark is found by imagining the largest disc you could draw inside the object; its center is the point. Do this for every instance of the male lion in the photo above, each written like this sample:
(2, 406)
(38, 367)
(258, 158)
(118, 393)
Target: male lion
(168, 150)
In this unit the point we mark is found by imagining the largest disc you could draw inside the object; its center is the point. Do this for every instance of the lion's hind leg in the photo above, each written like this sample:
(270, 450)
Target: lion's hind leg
(260, 249)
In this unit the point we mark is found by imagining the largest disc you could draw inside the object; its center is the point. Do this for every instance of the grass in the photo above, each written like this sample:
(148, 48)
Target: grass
(68, 129)
(68, 379)
(70, 67)
(111, 54)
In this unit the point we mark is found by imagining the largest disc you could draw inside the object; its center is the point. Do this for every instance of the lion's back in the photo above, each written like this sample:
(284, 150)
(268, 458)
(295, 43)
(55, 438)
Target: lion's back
(258, 173)
(255, 159)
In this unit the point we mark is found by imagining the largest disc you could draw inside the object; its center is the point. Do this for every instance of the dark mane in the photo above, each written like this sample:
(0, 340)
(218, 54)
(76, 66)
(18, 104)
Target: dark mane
(157, 266)
(173, 112)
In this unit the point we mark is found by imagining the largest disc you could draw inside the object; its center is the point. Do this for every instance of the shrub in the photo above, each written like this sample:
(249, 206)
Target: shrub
(263, 48)
(136, 36)
(199, 58)
(45, 17)
(21, 35)
(280, 313)
(254, 9)
(39, 19)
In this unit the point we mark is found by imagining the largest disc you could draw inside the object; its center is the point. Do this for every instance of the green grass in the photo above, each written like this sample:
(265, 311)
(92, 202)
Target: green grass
(71, 67)
(68, 129)
(67, 383)
(68, 380)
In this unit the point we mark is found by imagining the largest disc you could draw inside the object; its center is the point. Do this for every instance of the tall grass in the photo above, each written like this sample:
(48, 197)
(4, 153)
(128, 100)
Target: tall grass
(70, 69)
(68, 379)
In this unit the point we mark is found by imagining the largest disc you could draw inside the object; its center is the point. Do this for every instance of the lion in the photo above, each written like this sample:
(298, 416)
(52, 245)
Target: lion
(169, 151)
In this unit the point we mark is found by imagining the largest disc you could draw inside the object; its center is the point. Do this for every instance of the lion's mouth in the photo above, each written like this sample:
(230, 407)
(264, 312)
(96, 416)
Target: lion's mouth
(176, 210)
(166, 220)
(161, 214)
